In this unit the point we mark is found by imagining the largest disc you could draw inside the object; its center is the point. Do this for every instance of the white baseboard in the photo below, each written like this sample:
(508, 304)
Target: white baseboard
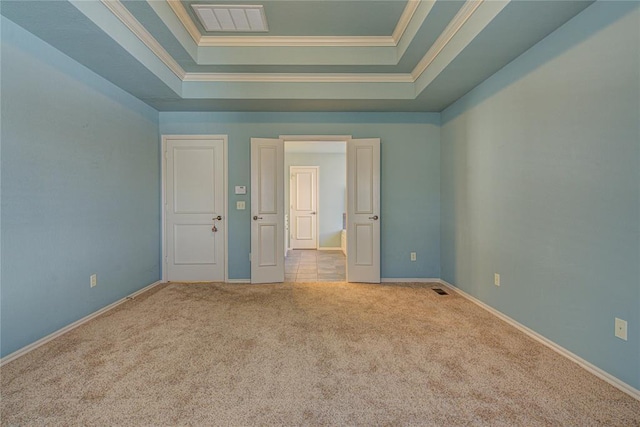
(408, 279)
(330, 248)
(603, 375)
(26, 349)
(238, 280)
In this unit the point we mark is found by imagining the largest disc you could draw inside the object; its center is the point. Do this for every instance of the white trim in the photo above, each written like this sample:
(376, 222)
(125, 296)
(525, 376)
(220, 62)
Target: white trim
(163, 207)
(330, 248)
(405, 19)
(123, 14)
(445, 37)
(408, 280)
(185, 19)
(297, 41)
(301, 77)
(163, 191)
(603, 375)
(42, 341)
(238, 281)
(315, 138)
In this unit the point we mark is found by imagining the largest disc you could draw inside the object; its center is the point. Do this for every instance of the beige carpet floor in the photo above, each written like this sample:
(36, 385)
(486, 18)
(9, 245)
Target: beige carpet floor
(303, 354)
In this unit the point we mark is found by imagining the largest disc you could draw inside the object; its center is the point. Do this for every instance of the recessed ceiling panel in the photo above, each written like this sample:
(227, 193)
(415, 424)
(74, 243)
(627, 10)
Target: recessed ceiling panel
(321, 18)
(229, 18)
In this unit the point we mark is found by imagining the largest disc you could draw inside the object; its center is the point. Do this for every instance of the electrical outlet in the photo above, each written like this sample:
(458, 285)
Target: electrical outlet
(413, 256)
(93, 280)
(621, 329)
(496, 279)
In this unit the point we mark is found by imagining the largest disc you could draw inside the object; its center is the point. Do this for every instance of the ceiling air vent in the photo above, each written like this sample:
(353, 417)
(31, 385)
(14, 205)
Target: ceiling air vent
(218, 17)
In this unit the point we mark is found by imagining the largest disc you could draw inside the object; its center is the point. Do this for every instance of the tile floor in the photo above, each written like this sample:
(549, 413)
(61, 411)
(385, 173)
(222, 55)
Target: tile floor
(314, 266)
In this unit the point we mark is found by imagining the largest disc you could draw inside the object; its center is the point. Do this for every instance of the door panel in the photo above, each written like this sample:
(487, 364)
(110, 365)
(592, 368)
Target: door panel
(268, 245)
(304, 228)
(193, 245)
(195, 196)
(364, 179)
(363, 210)
(364, 244)
(304, 206)
(194, 180)
(267, 180)
(304, 185)
(267, 210)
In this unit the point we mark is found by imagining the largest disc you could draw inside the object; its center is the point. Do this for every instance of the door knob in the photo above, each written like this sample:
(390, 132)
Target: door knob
(256, 217)
(313, 213)
(375, 217)
(218, 218)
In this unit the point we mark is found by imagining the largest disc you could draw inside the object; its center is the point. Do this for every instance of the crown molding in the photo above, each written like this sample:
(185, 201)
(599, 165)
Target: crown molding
(288, 41)
(300, 77)
(185, 19)
(306, 41)
(405, 19)
(445, 37)
(123, 14)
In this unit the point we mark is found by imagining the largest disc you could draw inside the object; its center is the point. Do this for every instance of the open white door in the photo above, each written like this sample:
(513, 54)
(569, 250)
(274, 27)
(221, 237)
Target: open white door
(363, 210)
(267, 210)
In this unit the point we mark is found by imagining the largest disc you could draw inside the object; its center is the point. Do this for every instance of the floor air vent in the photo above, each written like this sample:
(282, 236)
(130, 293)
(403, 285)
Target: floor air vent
(439, 291)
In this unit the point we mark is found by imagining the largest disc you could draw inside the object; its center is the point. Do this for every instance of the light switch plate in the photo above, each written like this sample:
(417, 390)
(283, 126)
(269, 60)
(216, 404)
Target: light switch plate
(241, 189)
(240, 205)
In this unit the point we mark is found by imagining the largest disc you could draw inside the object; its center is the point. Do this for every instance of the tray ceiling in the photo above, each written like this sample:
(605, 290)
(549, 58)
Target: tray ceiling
(336, 55)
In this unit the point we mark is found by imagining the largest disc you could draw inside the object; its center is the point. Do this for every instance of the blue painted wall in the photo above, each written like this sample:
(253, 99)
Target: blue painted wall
(332, 183)
(80, 191)
(541, 183)
(410, 176)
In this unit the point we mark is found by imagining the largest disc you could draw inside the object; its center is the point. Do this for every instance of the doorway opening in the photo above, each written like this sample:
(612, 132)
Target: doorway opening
(315, 208)
(268, 208)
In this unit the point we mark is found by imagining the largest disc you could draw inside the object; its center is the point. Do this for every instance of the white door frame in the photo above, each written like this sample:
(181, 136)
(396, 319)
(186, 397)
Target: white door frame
(224, 223)
(316, 139)
(317, 194)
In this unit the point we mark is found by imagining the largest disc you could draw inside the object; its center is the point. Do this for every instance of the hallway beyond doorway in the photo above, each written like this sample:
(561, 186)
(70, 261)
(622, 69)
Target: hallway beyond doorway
(314, 266)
